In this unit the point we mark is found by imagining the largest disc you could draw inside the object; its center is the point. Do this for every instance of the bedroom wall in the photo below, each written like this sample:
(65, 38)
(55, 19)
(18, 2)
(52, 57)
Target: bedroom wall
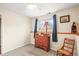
(77, 37)
(15, 30)
(61, 27)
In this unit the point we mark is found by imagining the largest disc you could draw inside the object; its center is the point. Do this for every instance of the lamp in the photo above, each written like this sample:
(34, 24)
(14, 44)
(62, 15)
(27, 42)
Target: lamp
(31, 6)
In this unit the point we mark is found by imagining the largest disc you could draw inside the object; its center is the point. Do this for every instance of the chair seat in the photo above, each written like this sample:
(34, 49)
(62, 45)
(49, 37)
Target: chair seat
(65, 52)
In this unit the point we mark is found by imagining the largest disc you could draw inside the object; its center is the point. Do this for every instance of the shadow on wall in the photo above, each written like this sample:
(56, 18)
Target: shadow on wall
(77, 27)
(0, 34)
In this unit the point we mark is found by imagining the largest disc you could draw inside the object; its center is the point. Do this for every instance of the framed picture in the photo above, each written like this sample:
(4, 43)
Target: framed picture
(64, 19)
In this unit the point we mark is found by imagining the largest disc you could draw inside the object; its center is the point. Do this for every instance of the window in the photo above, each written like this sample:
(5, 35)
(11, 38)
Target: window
(42, 27)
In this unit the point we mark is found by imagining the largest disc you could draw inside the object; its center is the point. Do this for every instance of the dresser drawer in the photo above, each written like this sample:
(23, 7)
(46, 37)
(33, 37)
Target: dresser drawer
(42, 42)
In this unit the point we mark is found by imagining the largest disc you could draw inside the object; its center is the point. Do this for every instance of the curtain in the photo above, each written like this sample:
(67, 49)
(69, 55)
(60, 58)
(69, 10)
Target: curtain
(54, 32)
(35, 29)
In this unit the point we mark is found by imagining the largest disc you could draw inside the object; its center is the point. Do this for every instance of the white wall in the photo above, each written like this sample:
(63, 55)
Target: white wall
(77, 37)
(15, 30)
(61, 27)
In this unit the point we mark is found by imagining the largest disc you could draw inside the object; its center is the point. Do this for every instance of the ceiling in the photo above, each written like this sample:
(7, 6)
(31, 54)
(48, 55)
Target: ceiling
(42, 8)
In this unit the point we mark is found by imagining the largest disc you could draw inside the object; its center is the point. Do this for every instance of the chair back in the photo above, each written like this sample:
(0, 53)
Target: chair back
(69, 45)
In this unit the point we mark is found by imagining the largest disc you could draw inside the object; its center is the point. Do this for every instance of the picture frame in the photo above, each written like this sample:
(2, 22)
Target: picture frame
(64, 19)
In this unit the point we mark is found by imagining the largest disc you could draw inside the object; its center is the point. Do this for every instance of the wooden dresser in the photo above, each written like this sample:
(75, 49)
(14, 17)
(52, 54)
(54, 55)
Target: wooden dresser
(42, 41)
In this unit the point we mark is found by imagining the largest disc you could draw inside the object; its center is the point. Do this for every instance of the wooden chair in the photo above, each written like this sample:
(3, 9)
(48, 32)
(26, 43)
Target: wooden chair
(67, 48)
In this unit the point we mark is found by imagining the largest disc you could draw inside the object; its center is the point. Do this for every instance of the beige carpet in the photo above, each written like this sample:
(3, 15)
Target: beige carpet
(29, 50)
(40, 52)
